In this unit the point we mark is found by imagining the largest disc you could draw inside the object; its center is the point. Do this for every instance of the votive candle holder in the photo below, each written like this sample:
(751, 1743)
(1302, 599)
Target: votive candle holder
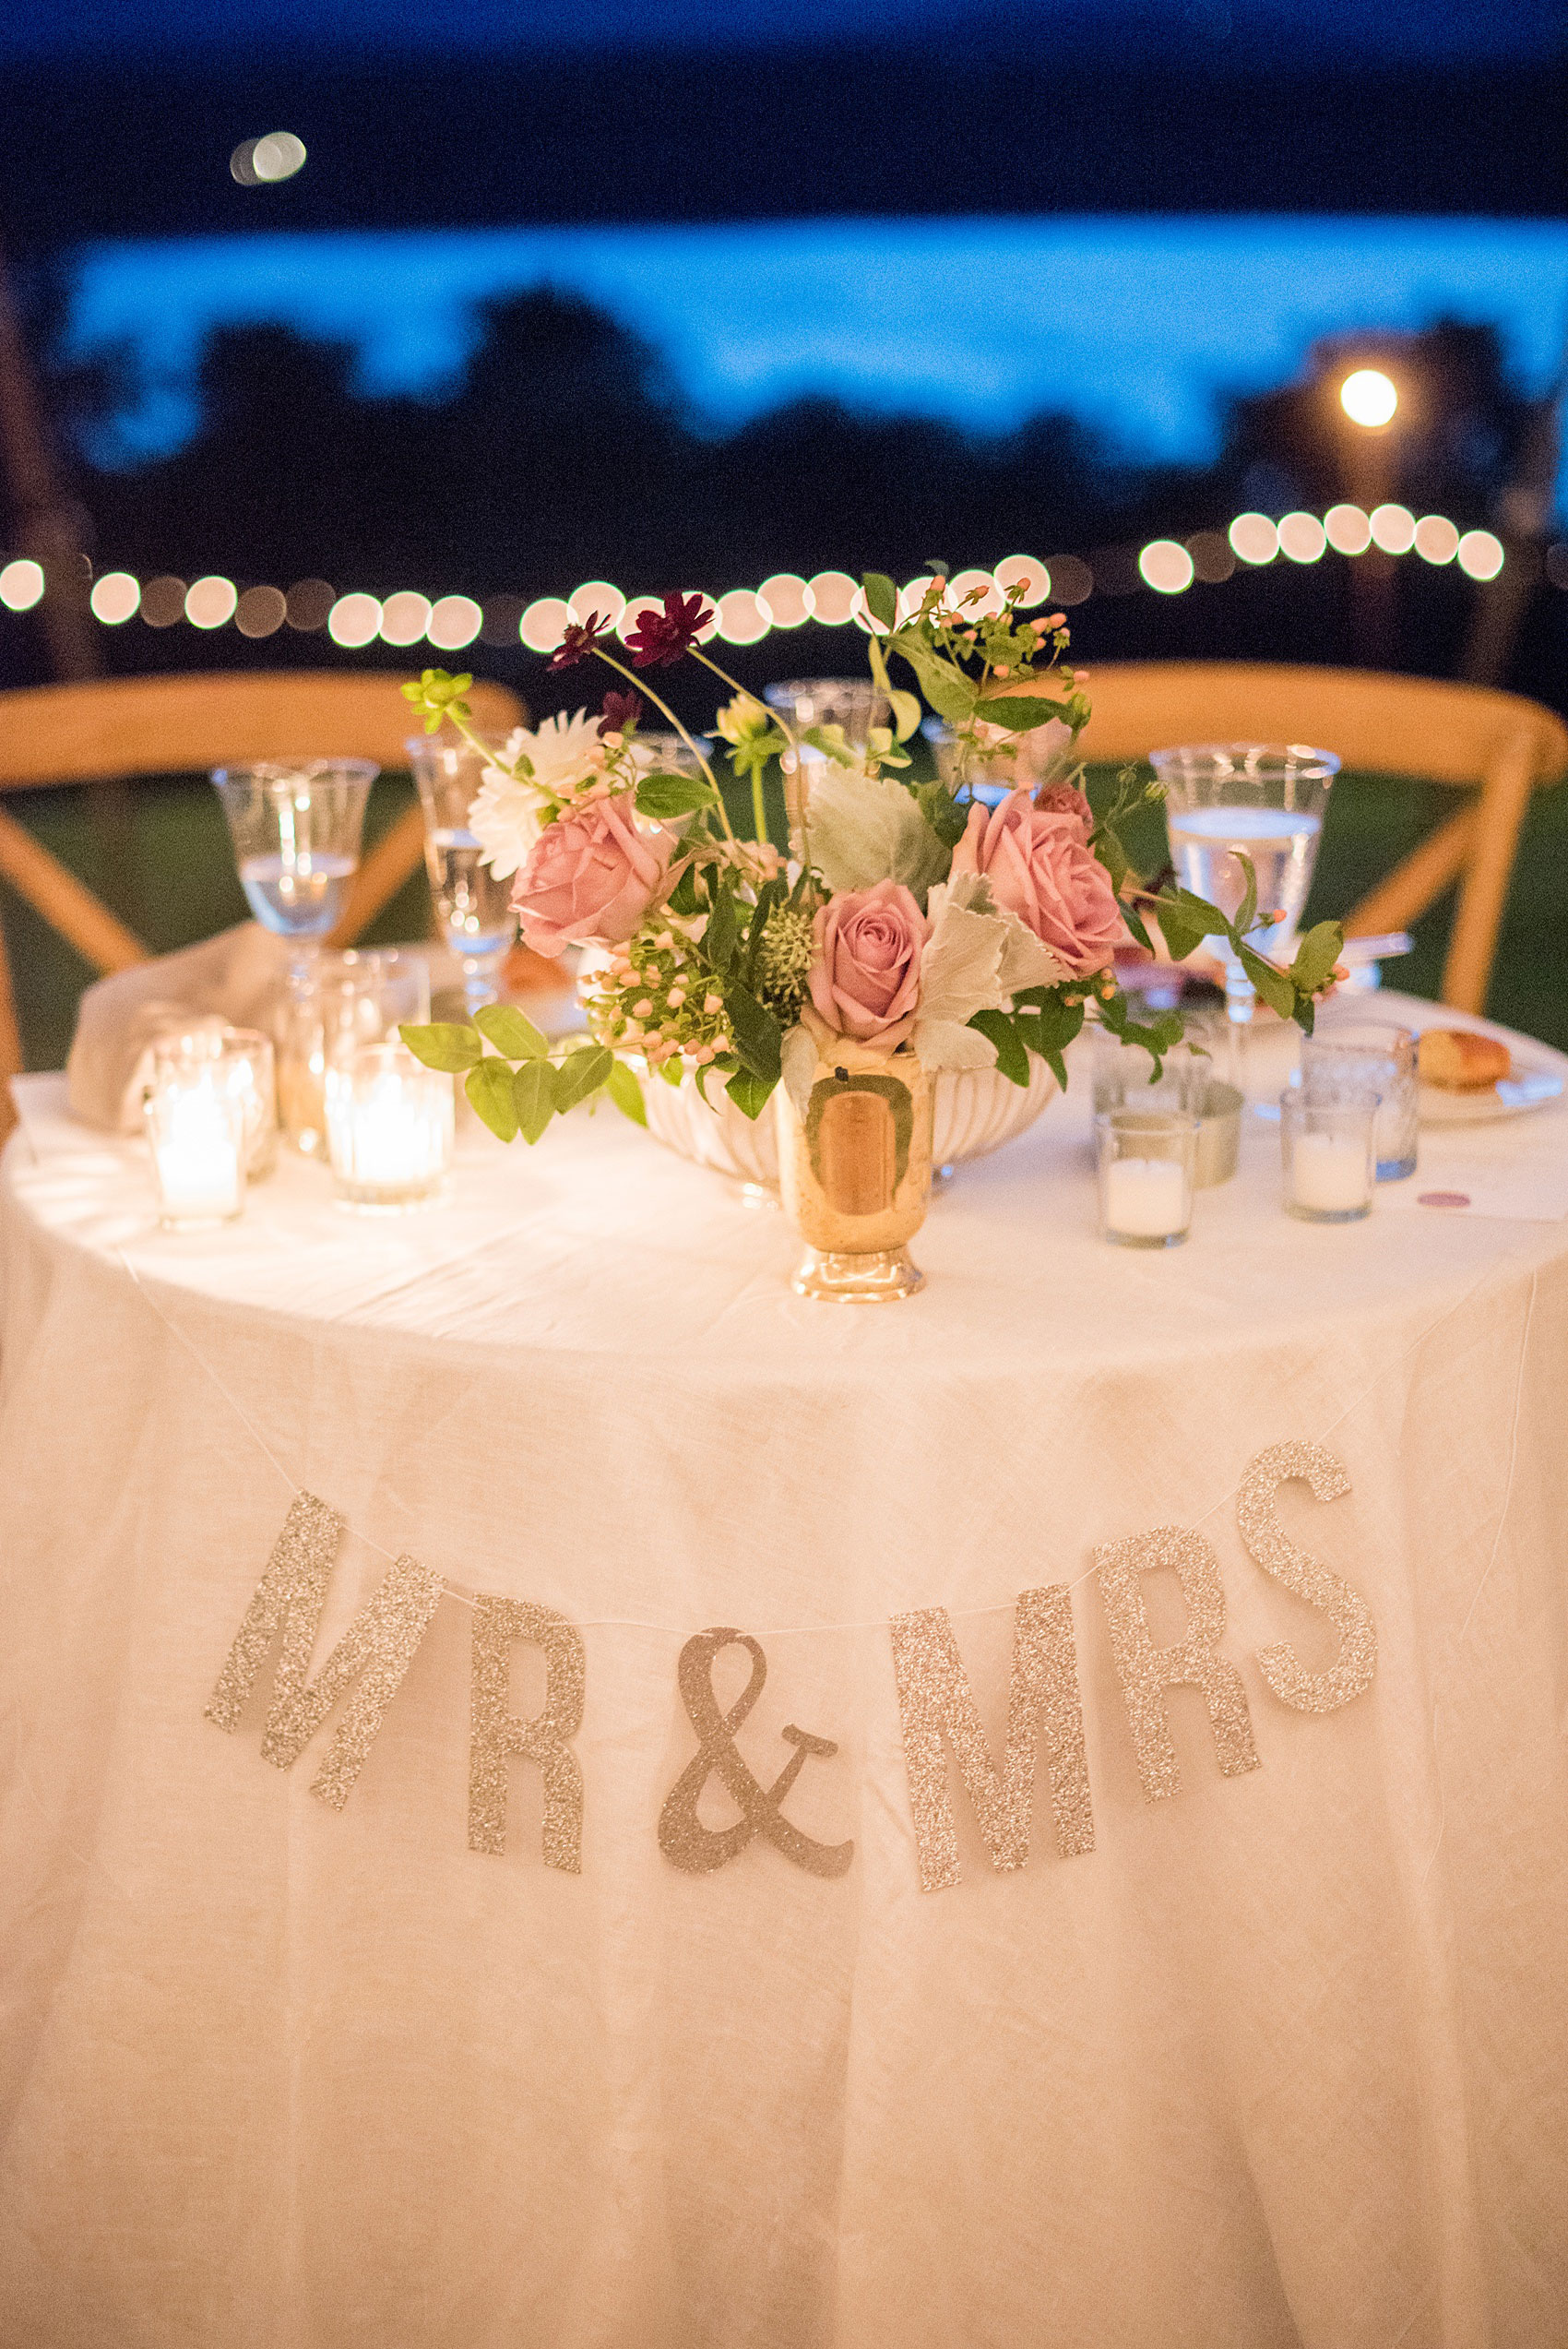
(389, 1127)
(243, 1064)
(1328, 1141)
(196, 1130)
(1147, 1160)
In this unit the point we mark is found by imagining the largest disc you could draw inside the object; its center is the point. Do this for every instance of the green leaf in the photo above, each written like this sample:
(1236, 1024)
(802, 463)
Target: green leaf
(1019, 713)
(1134, 922)
(882, 599)
(684, 896)
(626, 1093)
(905, 705)
(750, 1094)
(671, 1070)
(505, 1027)
(1272, 986)
(662, 796)
(942, 812)
(1246, 913)
(758, 1037)
(442, 1044)
(1316, 956)
(830, 741)
(1106, 843)
(768, 896)
(1011, 1057)
(579, 1074)
(722, 934)
(944, 686)
(532, 1089)
(489, 1087)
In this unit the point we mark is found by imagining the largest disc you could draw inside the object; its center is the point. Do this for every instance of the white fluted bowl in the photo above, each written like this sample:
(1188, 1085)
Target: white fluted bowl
(977, 1111)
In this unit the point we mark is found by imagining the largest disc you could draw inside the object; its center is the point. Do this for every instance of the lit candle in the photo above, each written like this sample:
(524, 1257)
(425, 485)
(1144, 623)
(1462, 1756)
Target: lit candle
(389, 1126)
(1328, 1173)
(197, 1143)
(1145, 1199)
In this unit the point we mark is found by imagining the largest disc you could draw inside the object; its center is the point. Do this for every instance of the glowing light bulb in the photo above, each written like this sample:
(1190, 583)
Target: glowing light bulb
(1166, 567)
(115, 598)
(1368, 398)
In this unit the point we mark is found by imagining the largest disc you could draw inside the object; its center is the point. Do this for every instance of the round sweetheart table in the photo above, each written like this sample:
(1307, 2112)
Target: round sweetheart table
(1020, 1934)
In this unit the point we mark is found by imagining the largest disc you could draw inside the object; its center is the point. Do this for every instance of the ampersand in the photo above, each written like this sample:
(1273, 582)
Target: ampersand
(681, 1836)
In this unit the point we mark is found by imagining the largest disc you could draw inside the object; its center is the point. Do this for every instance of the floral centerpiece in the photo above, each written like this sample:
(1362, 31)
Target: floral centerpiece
(909, 928)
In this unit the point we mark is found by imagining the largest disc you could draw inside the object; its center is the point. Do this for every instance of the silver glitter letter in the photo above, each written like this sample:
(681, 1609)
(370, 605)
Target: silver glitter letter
(379, 1644)
(495, 1732)
(1146, 1671)
(1278, 1555)
(935, 1700)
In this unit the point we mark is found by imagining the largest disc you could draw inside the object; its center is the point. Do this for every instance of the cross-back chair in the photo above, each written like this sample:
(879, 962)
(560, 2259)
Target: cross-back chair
(1498, 743)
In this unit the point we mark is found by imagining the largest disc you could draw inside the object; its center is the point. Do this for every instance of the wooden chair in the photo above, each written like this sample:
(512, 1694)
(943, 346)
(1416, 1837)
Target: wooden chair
(139, 726)
(1470, 735)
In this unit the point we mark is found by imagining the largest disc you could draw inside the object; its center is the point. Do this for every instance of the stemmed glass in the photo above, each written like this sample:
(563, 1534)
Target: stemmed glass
(296, 827)
(1265, 800)
(853, 703)
(473, 907)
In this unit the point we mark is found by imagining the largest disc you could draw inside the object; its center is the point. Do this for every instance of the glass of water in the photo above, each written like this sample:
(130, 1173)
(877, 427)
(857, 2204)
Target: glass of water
(473, 907)
(1263, 801)
(295, 825)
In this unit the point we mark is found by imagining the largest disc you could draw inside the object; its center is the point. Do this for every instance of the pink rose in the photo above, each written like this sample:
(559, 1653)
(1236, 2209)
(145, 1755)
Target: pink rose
(865, 981)
(1068, 802)
(589, 878)
(1039, 869)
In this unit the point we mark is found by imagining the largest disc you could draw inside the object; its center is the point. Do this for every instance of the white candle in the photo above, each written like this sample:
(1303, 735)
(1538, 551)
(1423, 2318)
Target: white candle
(393, 1140)
(389, 1126)
(200, 1167)
(1329, 1171)
(1145, 1199)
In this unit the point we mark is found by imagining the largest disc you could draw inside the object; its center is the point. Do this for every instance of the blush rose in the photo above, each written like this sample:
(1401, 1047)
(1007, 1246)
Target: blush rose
(1039, 869)
(865, 976)
(589, 878)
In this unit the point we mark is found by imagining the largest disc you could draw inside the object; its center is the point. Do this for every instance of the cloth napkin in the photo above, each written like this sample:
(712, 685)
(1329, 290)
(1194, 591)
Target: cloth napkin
(235, 980)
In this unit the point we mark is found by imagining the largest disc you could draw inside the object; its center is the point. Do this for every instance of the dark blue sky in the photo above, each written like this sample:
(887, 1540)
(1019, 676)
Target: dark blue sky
(1317, 32)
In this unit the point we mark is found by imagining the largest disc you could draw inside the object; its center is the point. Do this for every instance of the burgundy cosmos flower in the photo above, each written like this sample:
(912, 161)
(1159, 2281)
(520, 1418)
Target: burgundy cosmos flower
(621, 710)
(662, 637)
(579, 640)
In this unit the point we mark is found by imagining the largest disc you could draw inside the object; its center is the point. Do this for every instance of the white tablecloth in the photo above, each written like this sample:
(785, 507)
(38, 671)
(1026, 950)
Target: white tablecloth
(1283, 2060)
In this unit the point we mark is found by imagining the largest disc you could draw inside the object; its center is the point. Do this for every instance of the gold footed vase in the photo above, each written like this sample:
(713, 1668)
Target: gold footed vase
(855, 1173)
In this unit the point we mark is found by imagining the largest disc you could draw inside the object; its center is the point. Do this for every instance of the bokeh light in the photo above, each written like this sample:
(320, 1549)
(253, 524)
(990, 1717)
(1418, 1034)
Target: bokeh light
(22, 584)
(260, 162)
(454, 621)
(1254, 539)
(354, 621)
(308, 604)
(1481, 555)
(741, 618)
(212, 601)
(961, 584)
(1165, 566)
(262, 611)
(114, 598)
(1027, 572)
(1213, 562)
(1347, 529)
(1437, 541)
(787, 599)
(704, 634)
(596, 595)
(1368, 397)
(1393, 529)
(833, 597)
(1072, 581)
(545, 623)
(404, 617)
(912, 595)
(628, 625)
(1302, 537)
(164, 601)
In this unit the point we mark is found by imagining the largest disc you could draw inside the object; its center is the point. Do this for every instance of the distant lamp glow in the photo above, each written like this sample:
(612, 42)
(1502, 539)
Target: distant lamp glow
(1481, 555)
(1027, 572)
(262, 611)
(786, 599)
(1393, 529)
(22, 584)
(454, 621)
(259, 162)
(1254, 539)
(1347, 529)
(114, 598)
(596, 595)
(1166, 567)
(1437, 541)
(354, 621)
(833, 597)
(1302, 538)
(543, 624)
(405, 617)
(741, 617)
(1368, 398)
(210, 602)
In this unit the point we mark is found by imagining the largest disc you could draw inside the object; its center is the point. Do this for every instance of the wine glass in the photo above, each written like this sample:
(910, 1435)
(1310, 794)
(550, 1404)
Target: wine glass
(853, 703)
(473, 907)
(1265, 800)
(296, 824)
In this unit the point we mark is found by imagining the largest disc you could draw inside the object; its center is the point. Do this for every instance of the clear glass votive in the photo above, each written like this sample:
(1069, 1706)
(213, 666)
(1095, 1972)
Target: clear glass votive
(1147, 1159)
(243, 1064)
(1326, 1139)
(197, 1130)
(390, 1124)
(1370, 1056)
(1125, 1077)
(334, 1004)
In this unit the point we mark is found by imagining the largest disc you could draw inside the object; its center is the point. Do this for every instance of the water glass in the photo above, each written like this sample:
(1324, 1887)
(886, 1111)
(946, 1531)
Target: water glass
(334, 1004)
(197, 1128)
(241, 1065)
(389, 1123)
(295, 826)
(1373, 1056)
(473, 907)
(850, 702)
(1326, 1140)
(1147, 1160)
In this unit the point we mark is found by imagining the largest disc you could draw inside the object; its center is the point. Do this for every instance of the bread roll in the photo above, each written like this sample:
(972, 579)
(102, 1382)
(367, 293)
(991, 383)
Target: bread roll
(1461, 1062)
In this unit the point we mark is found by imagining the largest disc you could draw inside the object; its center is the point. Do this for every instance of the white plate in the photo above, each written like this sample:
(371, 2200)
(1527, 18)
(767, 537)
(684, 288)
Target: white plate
(1530, 1085)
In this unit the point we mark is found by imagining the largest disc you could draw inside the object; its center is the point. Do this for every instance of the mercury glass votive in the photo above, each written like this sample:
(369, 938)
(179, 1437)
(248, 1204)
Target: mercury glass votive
(1146, 1162)
(1326, 1139)
(197, 1130)
(389, 1126)
(242, 1063)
